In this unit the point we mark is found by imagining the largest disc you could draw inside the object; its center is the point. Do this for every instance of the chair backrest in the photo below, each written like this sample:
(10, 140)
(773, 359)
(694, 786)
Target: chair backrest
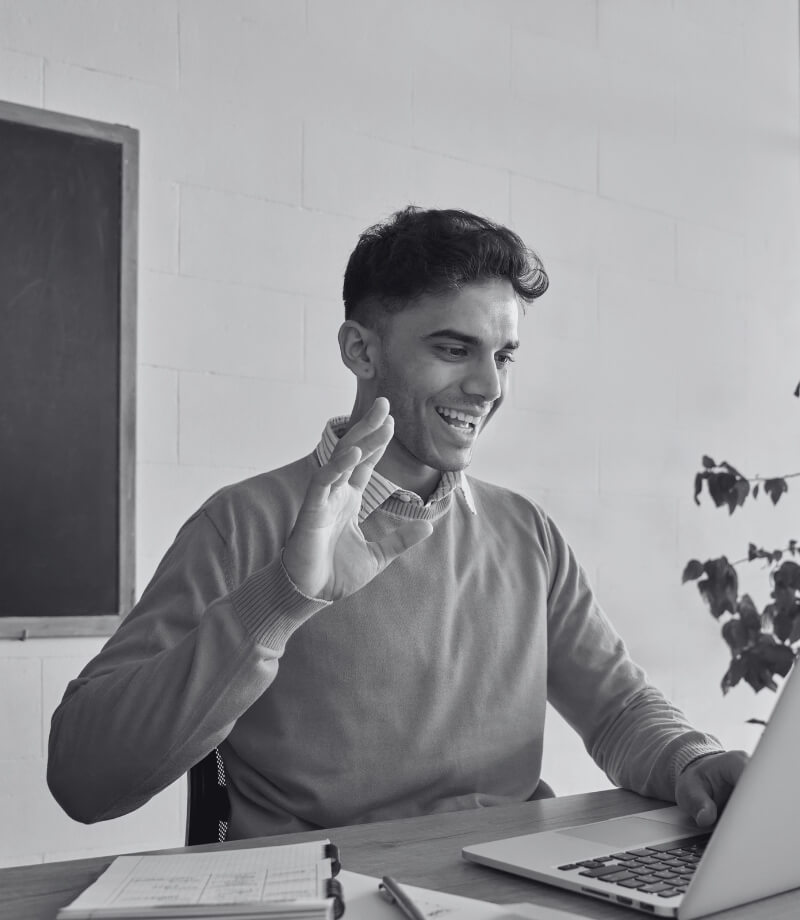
(208, 807)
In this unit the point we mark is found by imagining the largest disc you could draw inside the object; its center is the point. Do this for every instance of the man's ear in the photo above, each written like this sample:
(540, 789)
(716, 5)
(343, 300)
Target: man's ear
(360, 348)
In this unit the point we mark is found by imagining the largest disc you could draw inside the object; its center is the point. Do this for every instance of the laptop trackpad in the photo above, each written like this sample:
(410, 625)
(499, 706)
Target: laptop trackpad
(623, 832)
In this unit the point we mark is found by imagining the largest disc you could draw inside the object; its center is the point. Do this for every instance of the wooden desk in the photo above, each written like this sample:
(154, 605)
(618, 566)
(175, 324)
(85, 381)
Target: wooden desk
(421, 851)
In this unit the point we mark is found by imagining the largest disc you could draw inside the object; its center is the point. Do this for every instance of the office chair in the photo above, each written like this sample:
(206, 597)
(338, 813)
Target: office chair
(208, 807)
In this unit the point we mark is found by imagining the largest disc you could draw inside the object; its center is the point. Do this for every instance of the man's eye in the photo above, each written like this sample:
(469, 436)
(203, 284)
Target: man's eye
(504, 360)
(453, 351)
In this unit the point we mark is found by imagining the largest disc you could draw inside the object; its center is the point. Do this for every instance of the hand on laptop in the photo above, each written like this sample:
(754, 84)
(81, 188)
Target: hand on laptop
(704, 786)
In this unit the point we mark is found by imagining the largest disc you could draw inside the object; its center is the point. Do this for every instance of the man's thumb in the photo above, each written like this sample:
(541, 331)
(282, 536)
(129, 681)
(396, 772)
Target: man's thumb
(706, 815)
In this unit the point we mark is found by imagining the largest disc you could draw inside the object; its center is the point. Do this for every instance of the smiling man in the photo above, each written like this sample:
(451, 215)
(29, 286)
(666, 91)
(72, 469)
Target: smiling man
(443, 367)
(369, 633)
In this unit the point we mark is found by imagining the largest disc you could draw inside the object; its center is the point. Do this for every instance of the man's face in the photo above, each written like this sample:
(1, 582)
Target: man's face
(445, 356)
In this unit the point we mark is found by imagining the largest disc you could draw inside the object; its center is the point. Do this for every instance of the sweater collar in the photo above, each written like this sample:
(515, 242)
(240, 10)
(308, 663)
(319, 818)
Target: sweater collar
(379, 488)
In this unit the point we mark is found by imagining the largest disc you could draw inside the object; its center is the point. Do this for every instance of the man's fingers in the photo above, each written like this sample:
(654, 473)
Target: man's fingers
(361, 474)
(341, 465)
(376, 441)
(372, 444)
(402, 538)
(372, 448)
(704, 812)
(707, 815)
(696, 802)
(371, 421)
(372, 437)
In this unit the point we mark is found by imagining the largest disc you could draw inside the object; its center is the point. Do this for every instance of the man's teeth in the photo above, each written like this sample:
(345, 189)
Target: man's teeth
(453, 415)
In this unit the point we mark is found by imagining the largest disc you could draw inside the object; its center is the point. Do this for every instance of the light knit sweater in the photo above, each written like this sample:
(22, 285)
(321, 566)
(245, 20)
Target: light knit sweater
(423, 692)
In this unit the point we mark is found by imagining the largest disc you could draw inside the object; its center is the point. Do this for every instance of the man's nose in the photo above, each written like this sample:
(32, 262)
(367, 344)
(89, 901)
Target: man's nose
(484, 381)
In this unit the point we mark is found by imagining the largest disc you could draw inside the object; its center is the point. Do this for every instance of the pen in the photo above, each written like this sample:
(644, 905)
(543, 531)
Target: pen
(393, 893)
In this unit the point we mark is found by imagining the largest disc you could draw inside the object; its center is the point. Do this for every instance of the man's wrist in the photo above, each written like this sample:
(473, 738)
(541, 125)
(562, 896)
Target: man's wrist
(293, 580)
(697, 759)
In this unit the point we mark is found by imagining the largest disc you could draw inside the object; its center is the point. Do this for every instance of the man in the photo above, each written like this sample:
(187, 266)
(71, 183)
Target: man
(368, 633)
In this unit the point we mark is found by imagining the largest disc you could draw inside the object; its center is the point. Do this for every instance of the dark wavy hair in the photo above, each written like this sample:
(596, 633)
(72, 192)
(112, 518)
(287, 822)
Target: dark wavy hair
(417, 252)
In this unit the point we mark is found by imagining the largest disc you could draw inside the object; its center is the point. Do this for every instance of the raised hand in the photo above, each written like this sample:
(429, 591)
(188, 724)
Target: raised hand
(326, 554)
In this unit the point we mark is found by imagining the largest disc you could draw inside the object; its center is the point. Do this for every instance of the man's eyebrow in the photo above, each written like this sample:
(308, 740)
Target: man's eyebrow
(467, 339)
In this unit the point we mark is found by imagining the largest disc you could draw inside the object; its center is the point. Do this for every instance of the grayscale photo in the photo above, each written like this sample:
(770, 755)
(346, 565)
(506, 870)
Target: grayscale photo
(399, 414)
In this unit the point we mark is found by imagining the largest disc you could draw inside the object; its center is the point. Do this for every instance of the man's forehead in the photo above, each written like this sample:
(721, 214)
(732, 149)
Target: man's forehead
(479, 312)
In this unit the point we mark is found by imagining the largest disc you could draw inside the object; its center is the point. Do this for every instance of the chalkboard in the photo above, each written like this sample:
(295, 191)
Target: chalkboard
(68, 198)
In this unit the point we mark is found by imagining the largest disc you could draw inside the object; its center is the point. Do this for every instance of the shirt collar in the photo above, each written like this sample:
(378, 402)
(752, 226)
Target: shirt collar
(379, 488)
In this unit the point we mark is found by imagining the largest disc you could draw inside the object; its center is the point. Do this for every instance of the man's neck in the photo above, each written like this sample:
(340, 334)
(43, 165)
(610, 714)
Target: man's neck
(412, 476)
(400, 467)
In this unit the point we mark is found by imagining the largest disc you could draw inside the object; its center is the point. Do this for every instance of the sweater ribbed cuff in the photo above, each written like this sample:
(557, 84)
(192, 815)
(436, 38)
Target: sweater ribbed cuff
(698, 747)
(271, 606)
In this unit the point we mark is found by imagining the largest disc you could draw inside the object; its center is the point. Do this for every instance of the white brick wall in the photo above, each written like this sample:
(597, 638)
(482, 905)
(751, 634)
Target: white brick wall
(21, 77)
(648, 151)
(556, 88)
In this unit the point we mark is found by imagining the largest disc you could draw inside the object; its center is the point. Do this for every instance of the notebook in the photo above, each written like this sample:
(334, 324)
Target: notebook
(290, 881)
(708, 872)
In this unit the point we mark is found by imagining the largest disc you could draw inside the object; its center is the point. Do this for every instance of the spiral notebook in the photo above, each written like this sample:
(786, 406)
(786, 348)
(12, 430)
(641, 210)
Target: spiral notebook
(292, 881)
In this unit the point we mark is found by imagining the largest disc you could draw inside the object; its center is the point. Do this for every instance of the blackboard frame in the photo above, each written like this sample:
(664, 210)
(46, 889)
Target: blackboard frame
(127, 139)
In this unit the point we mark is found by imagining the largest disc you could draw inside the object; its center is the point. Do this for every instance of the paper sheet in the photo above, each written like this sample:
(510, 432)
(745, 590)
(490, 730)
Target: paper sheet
(363, 902)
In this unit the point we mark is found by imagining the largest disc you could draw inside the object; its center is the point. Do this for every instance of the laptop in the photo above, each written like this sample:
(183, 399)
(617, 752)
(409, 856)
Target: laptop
(660, 862)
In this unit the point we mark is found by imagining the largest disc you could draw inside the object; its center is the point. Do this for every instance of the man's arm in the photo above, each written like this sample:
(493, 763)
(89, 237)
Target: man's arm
(193, 655)
(631, 730)
(198, 651)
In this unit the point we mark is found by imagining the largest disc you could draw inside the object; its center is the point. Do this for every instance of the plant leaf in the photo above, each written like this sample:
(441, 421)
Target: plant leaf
(735, 634)
(742, 489)
(748, 610)
(708, 463)
(778, 657)
(787, 575)
(720, 487)
(733, 675)
(720, 587)
(782, 625)
(693, 570)
(698, 487)
(784, 598)
(731, 469)
(775, 488)
(795, 633)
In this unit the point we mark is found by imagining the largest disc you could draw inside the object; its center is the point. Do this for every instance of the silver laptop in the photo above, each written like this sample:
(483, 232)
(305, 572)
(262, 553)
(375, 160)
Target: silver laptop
(659, 861)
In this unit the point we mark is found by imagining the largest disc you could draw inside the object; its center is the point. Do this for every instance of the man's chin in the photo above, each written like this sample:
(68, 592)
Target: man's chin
(454, 463)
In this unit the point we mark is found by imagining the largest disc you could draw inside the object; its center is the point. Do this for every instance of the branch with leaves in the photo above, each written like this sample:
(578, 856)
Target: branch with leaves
(763, 644)
(727, 486)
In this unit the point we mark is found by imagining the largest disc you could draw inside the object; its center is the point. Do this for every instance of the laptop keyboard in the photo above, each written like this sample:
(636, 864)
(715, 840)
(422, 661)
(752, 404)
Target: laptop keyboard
(665, 869)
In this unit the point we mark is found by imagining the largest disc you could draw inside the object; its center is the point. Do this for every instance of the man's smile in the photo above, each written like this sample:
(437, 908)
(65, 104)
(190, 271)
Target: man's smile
(457, 418)
(464, 425)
